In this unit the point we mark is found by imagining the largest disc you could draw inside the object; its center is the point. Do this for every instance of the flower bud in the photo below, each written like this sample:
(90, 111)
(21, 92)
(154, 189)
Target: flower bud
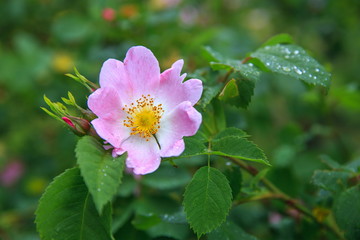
(68, 122)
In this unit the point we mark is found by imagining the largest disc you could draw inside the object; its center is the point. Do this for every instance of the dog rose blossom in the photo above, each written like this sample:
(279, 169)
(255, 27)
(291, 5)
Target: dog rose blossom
(144, 112)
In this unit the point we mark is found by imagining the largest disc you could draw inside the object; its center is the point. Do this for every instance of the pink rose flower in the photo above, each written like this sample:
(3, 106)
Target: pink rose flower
(144, 112)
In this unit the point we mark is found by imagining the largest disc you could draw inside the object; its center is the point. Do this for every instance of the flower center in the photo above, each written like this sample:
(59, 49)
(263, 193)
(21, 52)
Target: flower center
(143, 117)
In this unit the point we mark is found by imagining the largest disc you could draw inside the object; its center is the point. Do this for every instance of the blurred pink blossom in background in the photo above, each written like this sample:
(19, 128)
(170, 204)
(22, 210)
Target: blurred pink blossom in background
(11, 173)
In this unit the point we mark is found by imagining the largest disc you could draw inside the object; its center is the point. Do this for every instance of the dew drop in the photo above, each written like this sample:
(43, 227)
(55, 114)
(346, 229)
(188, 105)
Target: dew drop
(286, 69)
(287, 56)
(315, 77)
(98, 189)
(317, 70)
(267, 47)
(310, 75)
(298, 71)
(296, 52)
(105, 174)
(267, 64)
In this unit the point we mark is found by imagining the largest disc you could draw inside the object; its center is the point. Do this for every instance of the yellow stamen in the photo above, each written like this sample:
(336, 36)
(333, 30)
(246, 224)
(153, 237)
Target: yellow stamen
(143, 117)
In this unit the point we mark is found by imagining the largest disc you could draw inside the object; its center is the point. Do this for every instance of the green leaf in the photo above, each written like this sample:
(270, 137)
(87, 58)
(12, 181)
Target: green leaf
(347, 212)
(167, 177)
(211, 55)
(247, 71)
(333, 181)
(246, 91)
(293, 61)
(229, 91)
(231, 131)
(66, 211)
(230, 231)
(242, 90)
(234, 176)
(207, 200)
(102, 173)
(238, 147)
(144, 222)
(280, 38)
(209, 93)
(193, 147)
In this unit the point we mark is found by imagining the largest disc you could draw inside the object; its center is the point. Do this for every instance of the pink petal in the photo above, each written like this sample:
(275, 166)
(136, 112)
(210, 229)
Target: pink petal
(111, 130)
(143, 156)
(117, 152)
(143, 70)
(184, 120)
(175, 150)
(113, 75)
(174, 91)
(105, 102)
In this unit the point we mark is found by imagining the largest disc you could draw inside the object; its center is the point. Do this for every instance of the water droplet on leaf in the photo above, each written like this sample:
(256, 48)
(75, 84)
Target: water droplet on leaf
(286, 69)
(298, 71)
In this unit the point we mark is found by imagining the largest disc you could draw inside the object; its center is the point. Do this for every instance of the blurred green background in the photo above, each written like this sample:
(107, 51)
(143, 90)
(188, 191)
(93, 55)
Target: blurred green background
(41, 40)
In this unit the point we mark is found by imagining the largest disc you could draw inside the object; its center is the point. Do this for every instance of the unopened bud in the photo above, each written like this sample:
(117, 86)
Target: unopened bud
(81, 123)
(68, 122)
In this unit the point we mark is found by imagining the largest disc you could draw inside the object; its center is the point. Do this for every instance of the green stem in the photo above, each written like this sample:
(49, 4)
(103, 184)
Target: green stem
(276, 193)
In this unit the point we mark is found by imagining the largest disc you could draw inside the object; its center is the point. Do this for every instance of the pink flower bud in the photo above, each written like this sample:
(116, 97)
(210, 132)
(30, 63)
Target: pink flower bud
(108, 14)
(82, 123)
(68, 121)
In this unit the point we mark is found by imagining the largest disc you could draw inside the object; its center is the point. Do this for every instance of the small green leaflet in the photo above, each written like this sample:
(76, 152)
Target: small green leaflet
(207, 200)
(66, 211)
(193, 147)
(229, 91)
(102, 173)
(239, 90)
(210, 91)
(231, 131)
(347, 212)
(231, 142)
(294, 61)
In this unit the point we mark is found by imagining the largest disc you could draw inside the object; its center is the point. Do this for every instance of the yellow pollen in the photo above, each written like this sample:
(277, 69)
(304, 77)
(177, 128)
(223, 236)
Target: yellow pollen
(143, 117)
